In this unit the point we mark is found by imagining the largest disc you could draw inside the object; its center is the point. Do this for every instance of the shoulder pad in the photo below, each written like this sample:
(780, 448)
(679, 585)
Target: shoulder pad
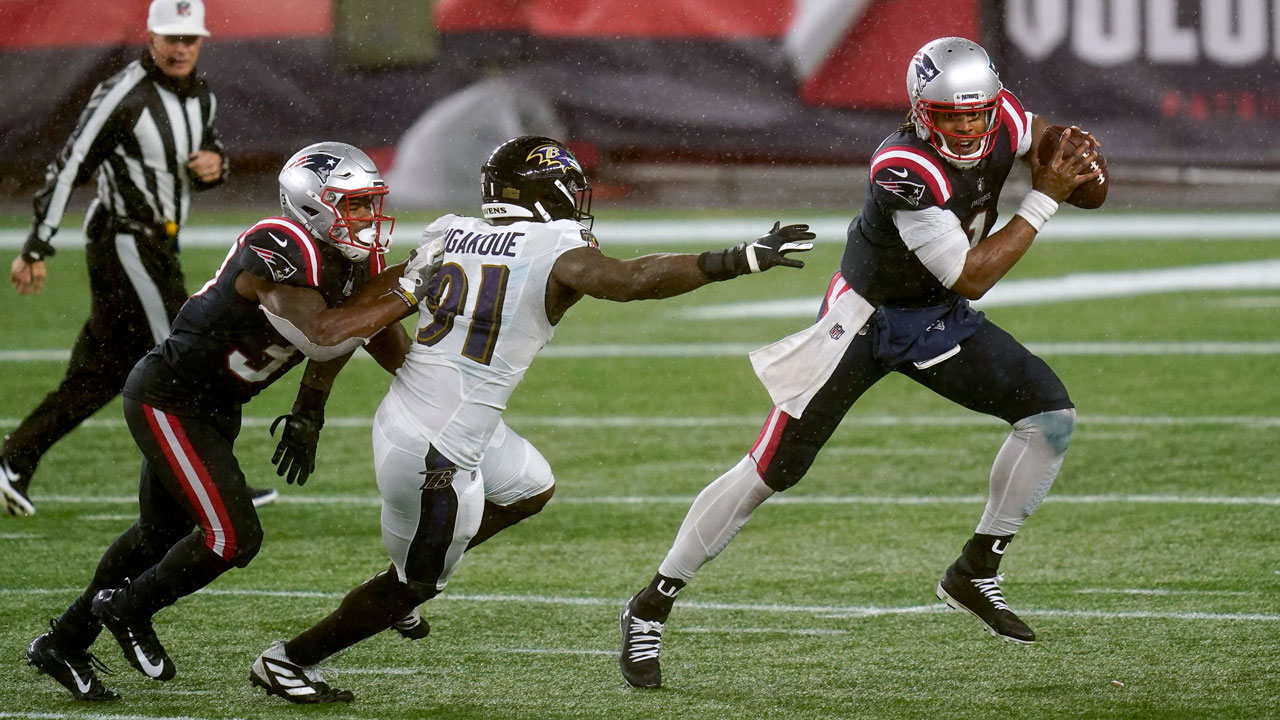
(1015, 118)
(440, 223)
(908, 178)
(279, 250)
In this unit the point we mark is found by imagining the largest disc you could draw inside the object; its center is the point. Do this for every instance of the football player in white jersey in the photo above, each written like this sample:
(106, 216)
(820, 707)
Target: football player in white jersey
(451, 473)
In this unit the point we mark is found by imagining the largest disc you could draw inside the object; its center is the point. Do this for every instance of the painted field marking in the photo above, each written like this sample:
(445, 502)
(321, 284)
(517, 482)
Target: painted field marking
(761, 631)
(1100, 227)
(1260, 274)
(828, 611)
(780, 499)
(1158, 591)
(696, 350)
(1251, 422)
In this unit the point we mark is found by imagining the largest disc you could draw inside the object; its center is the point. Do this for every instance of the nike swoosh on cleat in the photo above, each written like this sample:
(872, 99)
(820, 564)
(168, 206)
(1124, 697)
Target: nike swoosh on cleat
(151, 669)
(84, 686)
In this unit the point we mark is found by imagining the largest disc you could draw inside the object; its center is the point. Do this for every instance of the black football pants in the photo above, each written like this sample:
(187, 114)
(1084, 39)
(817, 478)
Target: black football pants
(136, 287)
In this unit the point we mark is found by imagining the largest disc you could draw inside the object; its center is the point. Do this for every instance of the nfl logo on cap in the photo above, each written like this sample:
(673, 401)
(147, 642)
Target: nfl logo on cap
(177, 17)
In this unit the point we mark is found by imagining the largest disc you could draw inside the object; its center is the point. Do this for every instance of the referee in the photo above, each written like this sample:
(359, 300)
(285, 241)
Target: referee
(148, 131)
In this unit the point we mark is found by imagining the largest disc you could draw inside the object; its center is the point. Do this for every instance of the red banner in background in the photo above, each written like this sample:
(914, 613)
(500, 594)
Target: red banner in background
(105, 23)
(868, 68)
(601, 19)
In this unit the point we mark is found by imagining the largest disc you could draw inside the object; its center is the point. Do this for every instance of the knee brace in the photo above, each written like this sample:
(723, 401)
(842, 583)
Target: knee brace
(1056, 426)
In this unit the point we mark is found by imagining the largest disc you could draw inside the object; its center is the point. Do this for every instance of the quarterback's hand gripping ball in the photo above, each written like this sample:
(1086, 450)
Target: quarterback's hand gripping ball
(1091, 193)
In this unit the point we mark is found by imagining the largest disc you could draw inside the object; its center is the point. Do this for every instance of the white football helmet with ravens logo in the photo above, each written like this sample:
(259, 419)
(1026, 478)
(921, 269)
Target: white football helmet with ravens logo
(948, 75)
(535, 177)
(323, 187)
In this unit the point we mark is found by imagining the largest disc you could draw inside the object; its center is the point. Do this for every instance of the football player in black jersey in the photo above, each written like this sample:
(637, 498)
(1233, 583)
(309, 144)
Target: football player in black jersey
(919, 251)
(305, 284)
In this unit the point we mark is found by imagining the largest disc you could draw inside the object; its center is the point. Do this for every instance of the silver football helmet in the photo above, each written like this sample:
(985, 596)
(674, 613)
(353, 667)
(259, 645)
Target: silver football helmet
(948, 75)
(331, 188)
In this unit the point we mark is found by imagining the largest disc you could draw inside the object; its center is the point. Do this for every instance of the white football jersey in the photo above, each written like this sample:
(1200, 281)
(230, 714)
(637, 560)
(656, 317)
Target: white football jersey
(472, 348)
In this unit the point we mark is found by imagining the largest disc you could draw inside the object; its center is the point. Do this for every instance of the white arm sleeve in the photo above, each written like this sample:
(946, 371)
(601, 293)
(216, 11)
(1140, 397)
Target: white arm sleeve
(935, 236)
(298, 339)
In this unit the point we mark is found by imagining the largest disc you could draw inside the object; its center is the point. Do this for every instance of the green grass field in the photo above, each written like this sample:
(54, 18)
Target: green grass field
(1150, 574)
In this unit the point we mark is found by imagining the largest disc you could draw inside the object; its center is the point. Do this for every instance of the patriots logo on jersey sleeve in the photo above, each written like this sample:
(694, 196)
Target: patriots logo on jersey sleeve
(905, 189)
(320, 163)
(279, 265)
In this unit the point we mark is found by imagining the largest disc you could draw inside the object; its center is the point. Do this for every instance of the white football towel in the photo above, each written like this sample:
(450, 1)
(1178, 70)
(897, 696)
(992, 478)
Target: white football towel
(794, 368)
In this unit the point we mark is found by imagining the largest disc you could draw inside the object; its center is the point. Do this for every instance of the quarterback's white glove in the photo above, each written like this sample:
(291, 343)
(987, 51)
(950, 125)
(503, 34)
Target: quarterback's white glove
(423, 263)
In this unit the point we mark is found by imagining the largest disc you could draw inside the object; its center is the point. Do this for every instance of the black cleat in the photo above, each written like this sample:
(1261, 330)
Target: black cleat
(274, 672)
(142, 649)
(641, 643)
(73, 669)
(13, 492)
(262, 496)
(981, 598)
(412, 626)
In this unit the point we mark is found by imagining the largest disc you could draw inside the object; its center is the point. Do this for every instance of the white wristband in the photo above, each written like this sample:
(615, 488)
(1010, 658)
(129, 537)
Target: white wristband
(1037, 208)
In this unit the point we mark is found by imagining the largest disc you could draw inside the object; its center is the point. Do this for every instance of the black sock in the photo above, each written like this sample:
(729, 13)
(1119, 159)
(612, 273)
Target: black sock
(366, 611)
(982, 554)
(655, 601)
(77, 627)
(188, 566)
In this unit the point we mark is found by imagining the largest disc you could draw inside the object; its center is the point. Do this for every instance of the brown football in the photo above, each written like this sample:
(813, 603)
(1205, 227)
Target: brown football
(1091, 194)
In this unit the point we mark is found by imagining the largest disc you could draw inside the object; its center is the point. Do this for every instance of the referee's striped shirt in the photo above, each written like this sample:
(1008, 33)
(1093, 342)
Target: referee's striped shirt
(139, 128)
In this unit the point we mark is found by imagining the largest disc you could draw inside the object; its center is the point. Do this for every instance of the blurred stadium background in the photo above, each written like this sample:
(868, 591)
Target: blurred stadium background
(1151, 570)
(716, 103)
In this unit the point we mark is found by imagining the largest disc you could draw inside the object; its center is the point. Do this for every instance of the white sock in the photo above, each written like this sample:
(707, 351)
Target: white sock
(1025, 469)
(717, 514)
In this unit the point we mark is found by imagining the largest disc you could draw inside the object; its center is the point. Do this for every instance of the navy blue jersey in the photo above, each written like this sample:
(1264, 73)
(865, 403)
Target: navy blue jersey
(222, 350)
(907, 173)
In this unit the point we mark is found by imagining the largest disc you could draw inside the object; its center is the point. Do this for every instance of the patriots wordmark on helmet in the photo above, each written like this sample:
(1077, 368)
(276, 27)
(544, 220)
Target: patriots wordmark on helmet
(320, 163)
(553, 156)
(279, 265)
(909, 191)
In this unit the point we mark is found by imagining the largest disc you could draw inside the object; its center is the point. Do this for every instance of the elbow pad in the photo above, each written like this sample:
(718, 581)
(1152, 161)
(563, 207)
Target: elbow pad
(299, 339)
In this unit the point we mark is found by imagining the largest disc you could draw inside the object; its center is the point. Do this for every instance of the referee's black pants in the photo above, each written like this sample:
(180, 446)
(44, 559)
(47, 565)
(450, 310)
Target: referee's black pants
(136, 286)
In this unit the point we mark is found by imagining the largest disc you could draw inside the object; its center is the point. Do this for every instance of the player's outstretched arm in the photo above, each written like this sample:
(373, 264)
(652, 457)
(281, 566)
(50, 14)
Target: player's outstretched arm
(665, 275)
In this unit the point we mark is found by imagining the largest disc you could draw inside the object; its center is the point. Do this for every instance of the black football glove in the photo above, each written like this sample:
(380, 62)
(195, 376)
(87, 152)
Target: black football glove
(296, 453)
(768, 251)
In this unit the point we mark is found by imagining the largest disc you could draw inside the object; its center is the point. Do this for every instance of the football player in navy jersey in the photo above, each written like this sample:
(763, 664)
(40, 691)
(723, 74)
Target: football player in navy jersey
(277, 299)
(919, 251)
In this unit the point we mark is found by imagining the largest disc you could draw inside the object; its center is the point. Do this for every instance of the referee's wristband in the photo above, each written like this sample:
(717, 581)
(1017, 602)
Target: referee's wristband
(1037, 208)
(36, 250)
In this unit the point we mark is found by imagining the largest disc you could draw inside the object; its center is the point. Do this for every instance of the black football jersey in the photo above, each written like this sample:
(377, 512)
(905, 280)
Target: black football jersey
(222, 350)
(907, 173)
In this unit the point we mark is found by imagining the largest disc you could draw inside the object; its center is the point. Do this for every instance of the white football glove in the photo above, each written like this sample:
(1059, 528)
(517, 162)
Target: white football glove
(423, 263)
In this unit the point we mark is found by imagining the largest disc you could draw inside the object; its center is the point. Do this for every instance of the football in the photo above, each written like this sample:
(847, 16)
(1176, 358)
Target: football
(1091, 194)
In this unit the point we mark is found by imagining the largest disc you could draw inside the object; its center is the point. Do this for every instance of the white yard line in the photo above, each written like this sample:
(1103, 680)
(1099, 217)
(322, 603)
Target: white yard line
(696, 350)
(828, 611)
(1255, 422)
(1071, 226)
(784, 499)
(1256, 275)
